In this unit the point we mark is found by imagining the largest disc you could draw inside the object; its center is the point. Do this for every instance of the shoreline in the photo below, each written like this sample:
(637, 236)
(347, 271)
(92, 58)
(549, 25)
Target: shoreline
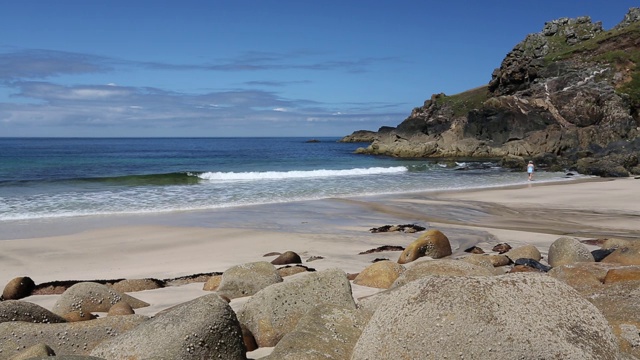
(67, 225)
(181, 244)
(337, 230)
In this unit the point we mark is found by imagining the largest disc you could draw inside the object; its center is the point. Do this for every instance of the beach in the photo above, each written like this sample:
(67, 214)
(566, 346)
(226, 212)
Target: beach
(185, 243)
(181, 244)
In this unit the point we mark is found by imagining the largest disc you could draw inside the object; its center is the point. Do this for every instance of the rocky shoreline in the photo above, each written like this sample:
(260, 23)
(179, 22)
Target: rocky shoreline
(565, 97)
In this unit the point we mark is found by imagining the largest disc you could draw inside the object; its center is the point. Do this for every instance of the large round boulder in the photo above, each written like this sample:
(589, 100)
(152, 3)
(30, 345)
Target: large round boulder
(87, 297)
(133, 285)
(275, 310)
(524, 252)
(568, 250)
(441, 267)
(624, 256)
(247, 279)
(380, 274)
(18, 310)
(516, 316)
(325, 332)
(433, 243)
(288, 257)
(71, 338)
(18, 288)
(203, 328)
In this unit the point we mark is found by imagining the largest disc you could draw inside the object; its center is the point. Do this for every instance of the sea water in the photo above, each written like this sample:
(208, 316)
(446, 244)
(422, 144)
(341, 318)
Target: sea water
(69, 177)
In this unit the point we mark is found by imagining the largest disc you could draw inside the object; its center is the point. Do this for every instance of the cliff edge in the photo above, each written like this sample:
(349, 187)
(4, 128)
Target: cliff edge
(566, 97)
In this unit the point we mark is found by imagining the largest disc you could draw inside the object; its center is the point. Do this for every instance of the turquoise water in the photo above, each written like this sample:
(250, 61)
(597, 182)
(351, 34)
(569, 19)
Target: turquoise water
(68, 177)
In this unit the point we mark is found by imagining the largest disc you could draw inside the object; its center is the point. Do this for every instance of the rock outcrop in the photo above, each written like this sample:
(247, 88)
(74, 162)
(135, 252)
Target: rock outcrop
(566, 97)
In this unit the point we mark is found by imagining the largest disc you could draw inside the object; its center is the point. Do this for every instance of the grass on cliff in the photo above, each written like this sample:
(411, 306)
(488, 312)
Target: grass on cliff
(466, 101)
(620, 56)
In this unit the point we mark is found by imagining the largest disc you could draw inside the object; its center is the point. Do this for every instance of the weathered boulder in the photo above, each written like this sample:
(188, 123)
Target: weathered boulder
(433, 243)
(287, 257)
(325, 332)
(524, 252)
(499, 317)
(275, 310)
(626, 273)
(619, 304)
(292, 270)
(584, 277)
(92, 297)
(203, 328)
(567, 250)
(501, 248)
(18, 288)
(601, 167)
(212, 283)
(380, 274)
(133, 285)
(79, 315)
(76, 338)
(18, 310)
(247, 279)
(38, 350)
(624, 256)
(615, 243)
(121, 308)
(440, 267)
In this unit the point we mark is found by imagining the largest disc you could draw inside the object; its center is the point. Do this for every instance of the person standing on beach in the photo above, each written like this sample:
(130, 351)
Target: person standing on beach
(530, 170)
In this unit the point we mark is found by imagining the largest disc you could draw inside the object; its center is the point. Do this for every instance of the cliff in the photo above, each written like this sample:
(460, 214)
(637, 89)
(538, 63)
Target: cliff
(566, 97)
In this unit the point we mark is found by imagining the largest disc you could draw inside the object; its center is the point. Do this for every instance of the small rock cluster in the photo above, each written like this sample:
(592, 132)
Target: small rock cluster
(503, 303)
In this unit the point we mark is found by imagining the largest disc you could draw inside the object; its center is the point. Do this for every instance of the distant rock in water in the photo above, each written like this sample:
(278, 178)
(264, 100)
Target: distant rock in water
(312, 141)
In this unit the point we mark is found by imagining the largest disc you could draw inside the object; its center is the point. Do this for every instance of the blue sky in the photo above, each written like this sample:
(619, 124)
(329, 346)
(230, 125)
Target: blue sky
(252, 68)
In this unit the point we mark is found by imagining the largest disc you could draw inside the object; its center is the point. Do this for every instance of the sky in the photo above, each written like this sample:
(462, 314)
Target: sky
(222, 68)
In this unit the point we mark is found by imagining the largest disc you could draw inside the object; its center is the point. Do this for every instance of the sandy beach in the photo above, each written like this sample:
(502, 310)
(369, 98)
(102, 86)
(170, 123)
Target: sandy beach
(175, 245)
(181, 244)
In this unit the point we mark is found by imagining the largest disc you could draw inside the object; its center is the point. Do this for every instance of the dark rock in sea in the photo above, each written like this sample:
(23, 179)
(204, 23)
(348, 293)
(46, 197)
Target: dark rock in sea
(312, 141)
(532, 264)
(379, 259)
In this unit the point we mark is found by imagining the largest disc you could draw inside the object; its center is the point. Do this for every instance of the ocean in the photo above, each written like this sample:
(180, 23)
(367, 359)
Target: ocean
(43, 178)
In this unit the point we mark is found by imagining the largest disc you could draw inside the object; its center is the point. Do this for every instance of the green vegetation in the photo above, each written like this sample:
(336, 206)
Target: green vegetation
(560, 50)
(622, 58)
(466, 101)
(632, 88)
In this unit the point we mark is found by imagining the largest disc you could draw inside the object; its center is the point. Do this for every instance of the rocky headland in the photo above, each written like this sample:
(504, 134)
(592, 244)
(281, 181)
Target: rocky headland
(567, 97)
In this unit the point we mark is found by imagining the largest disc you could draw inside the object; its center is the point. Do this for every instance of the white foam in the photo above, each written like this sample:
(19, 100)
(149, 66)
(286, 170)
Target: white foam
(277, 175)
